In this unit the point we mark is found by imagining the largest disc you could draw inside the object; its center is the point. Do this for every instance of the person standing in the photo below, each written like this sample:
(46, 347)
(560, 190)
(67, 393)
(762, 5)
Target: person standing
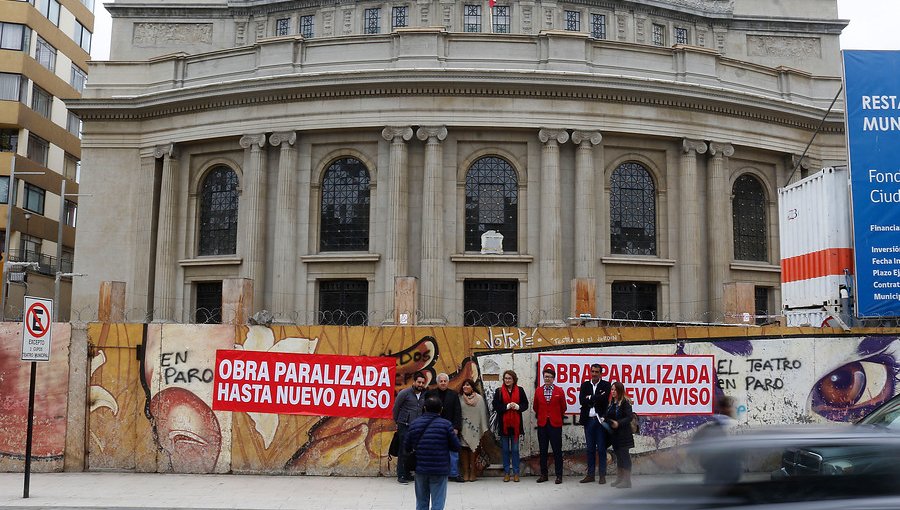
(509, 403)
(549, 407)
(433, 439)
(451, 412)
(407, 407)
(474, 425)
(594, 399)
(618, 418)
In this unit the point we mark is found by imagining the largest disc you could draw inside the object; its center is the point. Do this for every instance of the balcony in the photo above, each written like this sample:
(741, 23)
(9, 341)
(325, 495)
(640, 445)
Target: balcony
(46, 264)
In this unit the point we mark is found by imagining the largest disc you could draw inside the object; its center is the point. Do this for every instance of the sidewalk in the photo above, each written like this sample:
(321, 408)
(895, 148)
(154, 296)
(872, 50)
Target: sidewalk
(265, 492)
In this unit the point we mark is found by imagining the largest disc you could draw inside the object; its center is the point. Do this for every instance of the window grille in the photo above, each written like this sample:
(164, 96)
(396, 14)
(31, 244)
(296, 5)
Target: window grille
(400, 16)
(634, 301)
(573, 21)
(471, 18)
(748, 212)
(681, 36)
(344, 302)
(659, 35)
(307, 24)
(492, 201)
(491, 303)
(632, 205)
(761, 301)
(218, 212)
(501, 19)
(372, 21)
(345, 207)
(598, 26)
(282, 26)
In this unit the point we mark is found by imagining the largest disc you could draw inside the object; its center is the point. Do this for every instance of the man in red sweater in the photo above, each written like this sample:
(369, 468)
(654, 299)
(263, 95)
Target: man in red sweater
(549, 406)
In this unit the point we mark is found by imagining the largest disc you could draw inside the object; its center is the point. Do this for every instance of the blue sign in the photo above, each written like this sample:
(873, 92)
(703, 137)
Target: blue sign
(872, 94)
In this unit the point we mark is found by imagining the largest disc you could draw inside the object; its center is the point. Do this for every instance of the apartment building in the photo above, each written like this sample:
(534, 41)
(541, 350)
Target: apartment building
(44, 49)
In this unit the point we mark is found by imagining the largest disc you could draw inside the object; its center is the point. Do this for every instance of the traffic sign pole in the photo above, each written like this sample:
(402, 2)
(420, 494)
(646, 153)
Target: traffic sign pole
(30, 432)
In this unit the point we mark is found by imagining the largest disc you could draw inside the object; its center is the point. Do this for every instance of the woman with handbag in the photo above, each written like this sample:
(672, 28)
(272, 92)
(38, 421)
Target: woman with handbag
(474, 425)
(509, 403)
(618, 419)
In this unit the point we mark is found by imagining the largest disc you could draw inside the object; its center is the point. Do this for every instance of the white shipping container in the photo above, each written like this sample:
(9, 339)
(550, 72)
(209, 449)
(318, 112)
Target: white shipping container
(814, 230)
(815, 317)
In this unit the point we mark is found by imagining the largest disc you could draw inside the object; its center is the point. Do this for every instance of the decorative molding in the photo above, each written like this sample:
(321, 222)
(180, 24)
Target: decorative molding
(500, 258)
(228, 260)
(591, 137)
(401, 133)
(290, 137)
(560, 135)
(762, 267)
(719, 149)
(347, 258)
(698, 146)
(156, 35)
(626, 260)
(163, 151)
(783, 46)
(248, 141)
(806, 162)
(426, 132)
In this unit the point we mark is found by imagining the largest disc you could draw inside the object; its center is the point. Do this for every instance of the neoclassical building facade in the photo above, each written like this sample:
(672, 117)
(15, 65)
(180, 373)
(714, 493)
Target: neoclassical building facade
(450, 162)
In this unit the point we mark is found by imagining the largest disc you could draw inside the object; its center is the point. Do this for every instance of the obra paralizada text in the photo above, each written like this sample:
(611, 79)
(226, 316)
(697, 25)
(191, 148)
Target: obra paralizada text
(304, 383)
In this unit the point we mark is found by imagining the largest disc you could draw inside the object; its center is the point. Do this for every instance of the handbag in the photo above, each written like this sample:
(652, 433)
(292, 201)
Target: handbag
(394, 448)
(411, 454)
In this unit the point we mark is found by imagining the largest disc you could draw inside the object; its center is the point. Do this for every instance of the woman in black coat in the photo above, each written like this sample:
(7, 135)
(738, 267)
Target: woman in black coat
(509, 403)
(619, 417)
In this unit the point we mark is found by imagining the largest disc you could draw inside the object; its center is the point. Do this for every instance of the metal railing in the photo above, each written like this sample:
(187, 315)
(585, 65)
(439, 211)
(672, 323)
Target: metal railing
(47, 264)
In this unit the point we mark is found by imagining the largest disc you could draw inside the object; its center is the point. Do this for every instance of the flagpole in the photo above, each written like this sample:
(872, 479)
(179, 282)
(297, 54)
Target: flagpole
(491, 9)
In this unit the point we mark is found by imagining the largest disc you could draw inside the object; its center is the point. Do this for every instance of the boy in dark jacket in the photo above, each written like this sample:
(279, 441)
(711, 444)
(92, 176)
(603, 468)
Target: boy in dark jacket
(432, 438)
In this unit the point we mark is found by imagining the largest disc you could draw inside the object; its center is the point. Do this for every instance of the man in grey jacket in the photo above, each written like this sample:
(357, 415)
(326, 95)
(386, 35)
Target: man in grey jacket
(407, 407)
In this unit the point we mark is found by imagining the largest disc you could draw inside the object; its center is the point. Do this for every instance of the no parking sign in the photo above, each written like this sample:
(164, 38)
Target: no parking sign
(36, 329)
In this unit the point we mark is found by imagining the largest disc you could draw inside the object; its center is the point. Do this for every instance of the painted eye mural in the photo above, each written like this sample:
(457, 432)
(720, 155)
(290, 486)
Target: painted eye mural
(857, 387)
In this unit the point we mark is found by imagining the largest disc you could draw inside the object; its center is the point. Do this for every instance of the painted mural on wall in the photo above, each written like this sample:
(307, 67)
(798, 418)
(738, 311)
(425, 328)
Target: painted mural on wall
(153, 409)
(51, 389)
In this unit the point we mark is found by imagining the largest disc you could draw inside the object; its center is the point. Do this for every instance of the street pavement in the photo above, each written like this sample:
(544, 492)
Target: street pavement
(146, 491)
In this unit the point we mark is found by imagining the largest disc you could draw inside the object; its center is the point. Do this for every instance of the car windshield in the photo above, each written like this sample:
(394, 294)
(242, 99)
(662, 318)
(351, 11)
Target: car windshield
(887, 416)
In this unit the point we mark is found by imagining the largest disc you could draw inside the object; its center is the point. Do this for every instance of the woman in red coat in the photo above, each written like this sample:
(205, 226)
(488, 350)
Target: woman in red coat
(549, 405)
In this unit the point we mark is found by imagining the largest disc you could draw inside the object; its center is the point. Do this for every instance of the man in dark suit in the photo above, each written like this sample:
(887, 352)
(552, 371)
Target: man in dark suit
(594, 399)
(407, 407)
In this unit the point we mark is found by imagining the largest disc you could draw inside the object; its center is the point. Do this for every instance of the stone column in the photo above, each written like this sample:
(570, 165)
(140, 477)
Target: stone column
(254, 194)
(585, 204)
(432, 225)
(551, 287)
(285, 226)
(166, 237)
(396, 258)
(716, 226)
(689, 262)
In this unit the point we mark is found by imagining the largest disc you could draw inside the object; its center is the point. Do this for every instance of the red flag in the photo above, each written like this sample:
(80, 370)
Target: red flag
(491, 3)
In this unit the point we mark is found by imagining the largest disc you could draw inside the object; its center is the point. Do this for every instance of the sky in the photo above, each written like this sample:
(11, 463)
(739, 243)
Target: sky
(873, 26)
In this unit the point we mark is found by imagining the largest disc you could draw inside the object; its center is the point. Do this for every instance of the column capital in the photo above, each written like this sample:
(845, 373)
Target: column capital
(426, 132)
(591, 137)
(289, 137)
(397, 134)
(698, 146)
(560, 135)
(164, 151)
(248, 141)
(719, 149)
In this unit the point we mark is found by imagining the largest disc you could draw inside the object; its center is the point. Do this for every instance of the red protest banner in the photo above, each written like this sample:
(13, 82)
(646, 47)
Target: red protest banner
(312, 384)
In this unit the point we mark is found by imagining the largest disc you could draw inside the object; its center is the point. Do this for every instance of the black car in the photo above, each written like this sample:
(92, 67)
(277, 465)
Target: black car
(843, 460)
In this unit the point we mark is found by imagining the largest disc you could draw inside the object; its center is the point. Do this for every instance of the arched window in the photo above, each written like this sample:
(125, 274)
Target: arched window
(492, 199)
(632, 210)
(748, 212)
(345, 207)
(218, 212)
